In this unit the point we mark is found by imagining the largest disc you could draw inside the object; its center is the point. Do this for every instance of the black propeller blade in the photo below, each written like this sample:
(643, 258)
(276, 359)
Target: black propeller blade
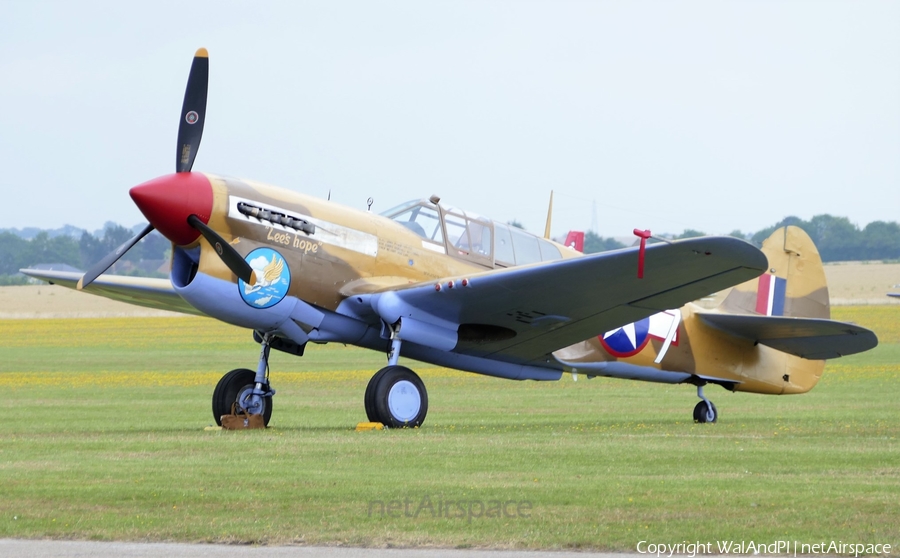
(190, 131)
(111, 258)
(193, 112)
(229, 255)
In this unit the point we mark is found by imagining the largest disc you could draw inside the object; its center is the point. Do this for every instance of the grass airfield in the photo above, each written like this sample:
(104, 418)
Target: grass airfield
(104, 439)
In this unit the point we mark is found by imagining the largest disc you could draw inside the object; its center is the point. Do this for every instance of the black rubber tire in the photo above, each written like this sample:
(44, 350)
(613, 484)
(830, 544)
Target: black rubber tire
(700, 412)
(227, 390)
(383, 382)
(369, 397)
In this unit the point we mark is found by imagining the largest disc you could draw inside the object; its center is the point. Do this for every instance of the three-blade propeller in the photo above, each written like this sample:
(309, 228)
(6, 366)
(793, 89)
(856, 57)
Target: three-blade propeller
(190, 132)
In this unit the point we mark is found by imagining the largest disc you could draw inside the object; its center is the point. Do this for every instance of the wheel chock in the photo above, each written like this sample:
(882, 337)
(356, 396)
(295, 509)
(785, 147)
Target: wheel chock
(363, 426)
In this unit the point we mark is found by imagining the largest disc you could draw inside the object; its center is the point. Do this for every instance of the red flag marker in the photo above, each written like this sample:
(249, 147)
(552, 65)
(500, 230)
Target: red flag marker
(643, 235)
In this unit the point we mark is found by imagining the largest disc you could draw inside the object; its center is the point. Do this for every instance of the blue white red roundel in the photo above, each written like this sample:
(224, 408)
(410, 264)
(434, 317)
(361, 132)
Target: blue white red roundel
(627, 340)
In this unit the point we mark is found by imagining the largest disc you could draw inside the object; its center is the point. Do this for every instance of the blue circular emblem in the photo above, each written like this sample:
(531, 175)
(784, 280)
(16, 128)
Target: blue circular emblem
(273, 279)
(627, 340)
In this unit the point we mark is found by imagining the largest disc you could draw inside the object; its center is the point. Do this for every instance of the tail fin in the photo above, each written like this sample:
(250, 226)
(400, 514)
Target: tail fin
(787, 309)
(793, 286)
(575, 239)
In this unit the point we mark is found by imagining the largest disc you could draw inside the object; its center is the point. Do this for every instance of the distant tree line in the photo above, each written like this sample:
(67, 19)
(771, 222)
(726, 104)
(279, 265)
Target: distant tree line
(17, 253)
(595, 243)
(836, 238)
(840, 240)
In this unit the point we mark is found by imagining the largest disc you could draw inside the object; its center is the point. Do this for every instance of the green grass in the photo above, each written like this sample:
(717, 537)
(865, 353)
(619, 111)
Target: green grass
(103, 438)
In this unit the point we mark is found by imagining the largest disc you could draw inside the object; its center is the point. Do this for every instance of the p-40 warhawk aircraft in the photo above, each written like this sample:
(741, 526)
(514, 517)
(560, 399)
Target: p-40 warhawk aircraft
(444, 286)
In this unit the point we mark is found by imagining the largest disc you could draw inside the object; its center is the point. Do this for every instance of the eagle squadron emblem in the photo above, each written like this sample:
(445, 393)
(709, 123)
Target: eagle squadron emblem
(273, 278)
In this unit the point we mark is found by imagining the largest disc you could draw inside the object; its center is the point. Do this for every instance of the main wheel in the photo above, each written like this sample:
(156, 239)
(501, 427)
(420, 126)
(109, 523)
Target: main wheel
(236, 387)
(398, 398)
(704, 413)
(369, 397)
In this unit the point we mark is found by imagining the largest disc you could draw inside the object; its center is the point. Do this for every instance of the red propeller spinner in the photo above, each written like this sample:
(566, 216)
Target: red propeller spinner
(169, 200)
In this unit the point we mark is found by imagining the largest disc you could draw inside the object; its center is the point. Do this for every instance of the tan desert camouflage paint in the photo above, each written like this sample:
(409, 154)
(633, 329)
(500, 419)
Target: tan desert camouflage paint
(707, 351)
(351, 252)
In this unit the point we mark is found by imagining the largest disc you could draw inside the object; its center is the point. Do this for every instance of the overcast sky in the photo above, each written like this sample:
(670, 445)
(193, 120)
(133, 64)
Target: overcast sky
(666, 115)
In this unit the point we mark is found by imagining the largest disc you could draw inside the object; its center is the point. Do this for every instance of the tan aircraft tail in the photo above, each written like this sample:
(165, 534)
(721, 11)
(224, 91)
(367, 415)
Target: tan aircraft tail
(794, 284)
(786, 308)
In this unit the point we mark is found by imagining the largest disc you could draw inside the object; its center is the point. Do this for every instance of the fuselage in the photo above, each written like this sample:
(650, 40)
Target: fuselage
(351, 251)
(313, 256)
(696, 349)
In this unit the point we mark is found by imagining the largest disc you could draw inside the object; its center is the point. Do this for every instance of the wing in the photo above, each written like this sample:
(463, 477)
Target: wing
(142, 291)
(523, 314)
(809, 338)
(273, 270)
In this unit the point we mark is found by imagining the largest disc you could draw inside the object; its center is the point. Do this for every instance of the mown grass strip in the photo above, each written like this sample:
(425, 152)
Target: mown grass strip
(104, 439)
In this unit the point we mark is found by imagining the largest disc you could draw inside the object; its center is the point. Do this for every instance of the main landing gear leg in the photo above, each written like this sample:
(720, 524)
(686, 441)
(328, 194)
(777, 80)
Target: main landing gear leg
(250, 390)
(396, 396)
(394, 353)
(705, 411)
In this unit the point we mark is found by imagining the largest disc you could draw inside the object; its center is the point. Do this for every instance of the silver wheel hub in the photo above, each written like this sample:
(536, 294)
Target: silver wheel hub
(404, 401)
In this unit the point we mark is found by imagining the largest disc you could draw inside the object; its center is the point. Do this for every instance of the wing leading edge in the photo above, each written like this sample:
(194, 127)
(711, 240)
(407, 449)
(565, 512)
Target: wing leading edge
(523, 314)
(141, 291)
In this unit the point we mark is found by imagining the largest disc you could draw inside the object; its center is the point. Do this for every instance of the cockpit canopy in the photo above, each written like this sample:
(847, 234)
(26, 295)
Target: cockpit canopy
(470, 237)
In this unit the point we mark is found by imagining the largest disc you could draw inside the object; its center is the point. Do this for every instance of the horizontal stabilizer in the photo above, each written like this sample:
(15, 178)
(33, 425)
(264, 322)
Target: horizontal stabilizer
(809, 338)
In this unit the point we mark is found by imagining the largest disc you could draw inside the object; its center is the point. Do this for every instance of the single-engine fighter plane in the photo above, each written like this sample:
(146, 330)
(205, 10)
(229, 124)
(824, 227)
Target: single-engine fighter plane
(444, 286)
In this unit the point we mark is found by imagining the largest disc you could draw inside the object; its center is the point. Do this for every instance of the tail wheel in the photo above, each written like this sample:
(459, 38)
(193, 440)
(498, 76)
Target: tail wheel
(235, 387)
(705, 413)
(397, 398)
